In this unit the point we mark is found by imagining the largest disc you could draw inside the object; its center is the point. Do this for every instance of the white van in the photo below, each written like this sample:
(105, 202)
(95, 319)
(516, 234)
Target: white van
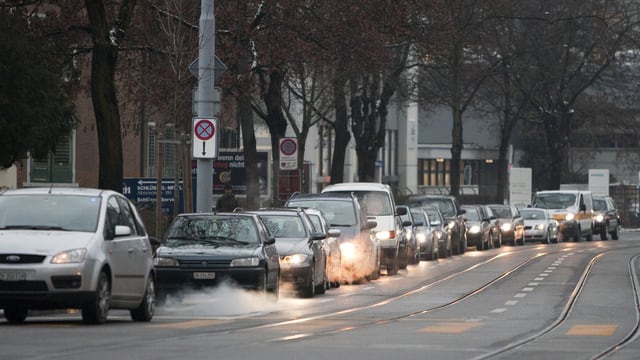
(572, 209)
(378, 203)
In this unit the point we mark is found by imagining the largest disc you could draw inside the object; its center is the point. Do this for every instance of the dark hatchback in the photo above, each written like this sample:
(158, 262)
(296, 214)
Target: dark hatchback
(202, 250)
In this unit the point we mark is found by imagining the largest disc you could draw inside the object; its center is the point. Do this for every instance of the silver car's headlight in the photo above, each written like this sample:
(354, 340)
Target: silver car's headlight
(69, 256)
(599, 218)
(421, 237)
(570, 216)
(474, 229)
(165, 262)
(539, 227)
(245, 262)
(294, 259)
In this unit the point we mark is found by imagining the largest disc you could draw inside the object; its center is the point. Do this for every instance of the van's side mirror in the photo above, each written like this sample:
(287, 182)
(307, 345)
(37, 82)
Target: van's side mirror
(371, 224)
(401, 211)
(406, 223)
(583, 207)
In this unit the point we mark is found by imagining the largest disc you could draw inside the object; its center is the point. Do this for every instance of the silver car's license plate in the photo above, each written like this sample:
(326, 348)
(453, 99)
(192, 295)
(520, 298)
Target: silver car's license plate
(204, 275)
(13, 276)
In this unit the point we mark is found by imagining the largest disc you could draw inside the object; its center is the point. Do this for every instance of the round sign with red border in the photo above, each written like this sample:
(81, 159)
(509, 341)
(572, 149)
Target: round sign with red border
(204, 129)
(288, 147)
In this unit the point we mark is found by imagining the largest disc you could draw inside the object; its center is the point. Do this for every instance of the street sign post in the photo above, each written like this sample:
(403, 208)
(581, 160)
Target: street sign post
(204, 138)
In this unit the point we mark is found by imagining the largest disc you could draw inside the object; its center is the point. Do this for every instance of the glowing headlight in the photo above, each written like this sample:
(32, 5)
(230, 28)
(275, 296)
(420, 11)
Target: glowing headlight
(539, 227)
(599, 218)
(69, 256)
(570, 217)
(407, 235)
(294, 259)
(506, 226)
(451, 224)
(474, 229)
(252, 261)
(384, 235)
(421, 237)
(166, 262)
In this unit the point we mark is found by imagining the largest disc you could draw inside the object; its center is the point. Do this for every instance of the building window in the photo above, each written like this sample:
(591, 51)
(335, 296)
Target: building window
(57, 167)
(390, 153)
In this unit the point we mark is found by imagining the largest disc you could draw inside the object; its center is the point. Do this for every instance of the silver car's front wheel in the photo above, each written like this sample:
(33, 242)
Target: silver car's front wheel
(96, 310)
(144, 311)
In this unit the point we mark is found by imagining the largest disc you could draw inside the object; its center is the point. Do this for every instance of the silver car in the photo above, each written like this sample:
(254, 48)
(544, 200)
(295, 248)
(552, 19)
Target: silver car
(73, 248)
(539, 226)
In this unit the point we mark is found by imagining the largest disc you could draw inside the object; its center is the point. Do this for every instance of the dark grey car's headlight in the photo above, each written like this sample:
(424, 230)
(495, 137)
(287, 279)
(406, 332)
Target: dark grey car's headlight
(165, 262)
(245, 262)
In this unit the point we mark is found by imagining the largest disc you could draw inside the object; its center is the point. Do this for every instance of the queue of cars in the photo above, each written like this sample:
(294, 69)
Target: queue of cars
(88, 248)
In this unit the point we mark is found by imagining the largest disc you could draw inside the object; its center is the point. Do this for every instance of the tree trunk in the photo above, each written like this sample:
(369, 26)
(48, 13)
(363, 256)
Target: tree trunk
(341, 130)
(245, 114)
(103, 92)
(277, 124)
(456, 150)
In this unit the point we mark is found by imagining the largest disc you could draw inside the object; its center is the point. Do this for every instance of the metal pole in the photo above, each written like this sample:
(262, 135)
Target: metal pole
(205, 99)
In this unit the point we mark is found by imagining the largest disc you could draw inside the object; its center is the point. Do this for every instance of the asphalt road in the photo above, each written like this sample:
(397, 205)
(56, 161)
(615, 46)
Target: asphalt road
(567, 301)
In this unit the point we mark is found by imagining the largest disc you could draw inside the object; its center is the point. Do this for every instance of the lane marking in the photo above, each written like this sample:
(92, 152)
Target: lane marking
(450, 328)
(500, 310)
(527, 289)
(538, 279)
(520, 295)
(511, 302)
(188, 324)
(533, 284)
(592, 330)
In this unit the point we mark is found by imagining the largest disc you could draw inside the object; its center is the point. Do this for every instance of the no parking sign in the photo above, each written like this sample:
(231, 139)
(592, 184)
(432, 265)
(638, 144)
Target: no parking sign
(204, 138)
(288, 154)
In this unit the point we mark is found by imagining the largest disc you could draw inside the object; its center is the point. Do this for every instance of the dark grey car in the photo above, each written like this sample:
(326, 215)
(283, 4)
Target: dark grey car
(359, 248)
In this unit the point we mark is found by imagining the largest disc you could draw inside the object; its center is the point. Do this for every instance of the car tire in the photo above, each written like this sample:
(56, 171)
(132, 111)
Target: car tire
(604, 232)
(96, 310)
(15, 314)
(144, 311)
(614, 233)
(392, 268)
(307, 290)
(498, 243)
(321, 288)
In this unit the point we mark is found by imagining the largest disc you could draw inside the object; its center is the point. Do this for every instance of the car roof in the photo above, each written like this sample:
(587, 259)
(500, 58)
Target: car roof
(327, 195)
(357, 186)
(58, 190)
(431, 196)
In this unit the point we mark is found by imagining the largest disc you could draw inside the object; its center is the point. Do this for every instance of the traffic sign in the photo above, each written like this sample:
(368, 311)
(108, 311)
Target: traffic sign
(204, 138)
(288, 154)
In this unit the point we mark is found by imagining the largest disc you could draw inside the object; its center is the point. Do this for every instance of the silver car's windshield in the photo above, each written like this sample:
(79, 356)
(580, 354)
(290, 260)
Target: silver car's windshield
(554, 201)
(444, 205)
(50, 212)
(528, 214)
(216, 230)
(501, 211)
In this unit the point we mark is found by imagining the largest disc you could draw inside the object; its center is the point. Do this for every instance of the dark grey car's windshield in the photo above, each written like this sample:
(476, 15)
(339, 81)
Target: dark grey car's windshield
(219, 230)
(50, 212)
(599, 204)
(444, 205)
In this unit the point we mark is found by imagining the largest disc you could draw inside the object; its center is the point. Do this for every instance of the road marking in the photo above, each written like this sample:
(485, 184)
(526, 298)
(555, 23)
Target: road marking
(543, 274)
(592, 330)
(538, 279)
(527, 289)
(520, 295)
(450, 328)
(551, 268)
(533, 284)
(500, 310)
(511, 302)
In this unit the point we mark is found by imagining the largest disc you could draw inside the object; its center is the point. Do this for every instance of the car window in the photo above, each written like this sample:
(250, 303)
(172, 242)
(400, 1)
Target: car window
(599, 204)
(554, 201)
(418, 216)
(473, 215)
(444, 205)
(434, 217)
(316, 222)
(284, 226)
(231, 230)
(337, 213)
(501, 211)
(532, 214)
(375, 203)
(67, 212)
(129, 218)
